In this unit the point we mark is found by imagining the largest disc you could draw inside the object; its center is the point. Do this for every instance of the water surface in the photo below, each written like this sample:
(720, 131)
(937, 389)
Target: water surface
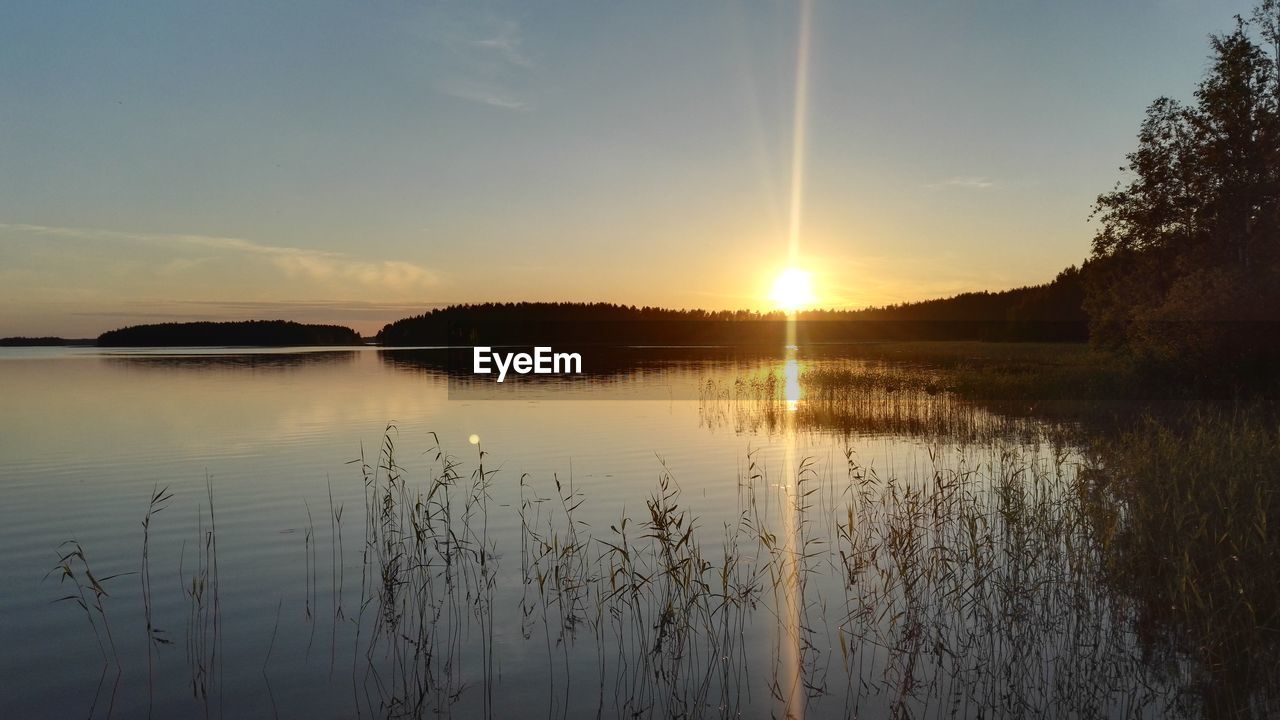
(269, 457)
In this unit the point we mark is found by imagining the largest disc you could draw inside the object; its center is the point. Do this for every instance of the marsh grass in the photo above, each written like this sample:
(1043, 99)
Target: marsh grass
(861, 397)
(427, 579)
(337, 575)
(971, 590)
(1186, 514)
(1000, 579)
(160, 498)
(204, 611)
(1062, 382)
(89, 594)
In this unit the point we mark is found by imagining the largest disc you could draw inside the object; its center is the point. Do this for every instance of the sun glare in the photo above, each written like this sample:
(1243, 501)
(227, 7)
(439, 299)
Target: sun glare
(793, 290)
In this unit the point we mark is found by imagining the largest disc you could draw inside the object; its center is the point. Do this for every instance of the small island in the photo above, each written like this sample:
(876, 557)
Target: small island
(21, 341)
(247, 333)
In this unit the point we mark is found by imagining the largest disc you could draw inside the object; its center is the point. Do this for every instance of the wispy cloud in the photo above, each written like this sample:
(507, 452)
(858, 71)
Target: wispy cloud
(507, 41)
(482, 92)
(318, 265)
(344, 305)
(965, 182)
(479, 59)
(216, 309)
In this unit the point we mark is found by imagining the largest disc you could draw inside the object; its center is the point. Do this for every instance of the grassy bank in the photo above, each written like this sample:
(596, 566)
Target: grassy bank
(1064, 381)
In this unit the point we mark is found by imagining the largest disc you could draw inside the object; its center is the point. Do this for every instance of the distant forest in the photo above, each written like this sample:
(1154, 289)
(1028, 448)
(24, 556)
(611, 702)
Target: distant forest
(263, 333)
(1050, 312)
(40, 341)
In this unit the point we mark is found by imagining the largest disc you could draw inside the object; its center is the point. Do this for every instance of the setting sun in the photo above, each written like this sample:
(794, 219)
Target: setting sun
(792, 290)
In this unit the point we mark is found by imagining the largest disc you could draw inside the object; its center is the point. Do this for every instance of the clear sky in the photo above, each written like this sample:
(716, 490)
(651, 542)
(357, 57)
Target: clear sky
(357, 162)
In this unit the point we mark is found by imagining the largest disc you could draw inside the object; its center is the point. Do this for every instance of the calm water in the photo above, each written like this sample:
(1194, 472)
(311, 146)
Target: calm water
(294, 630)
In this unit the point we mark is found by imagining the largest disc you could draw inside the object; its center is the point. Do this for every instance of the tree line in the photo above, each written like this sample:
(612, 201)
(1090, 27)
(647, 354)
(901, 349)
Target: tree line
(1049, 312)
(259, 333)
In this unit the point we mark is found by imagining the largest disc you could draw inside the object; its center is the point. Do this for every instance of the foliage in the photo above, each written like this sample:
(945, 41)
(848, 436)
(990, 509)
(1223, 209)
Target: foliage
(1186, 263)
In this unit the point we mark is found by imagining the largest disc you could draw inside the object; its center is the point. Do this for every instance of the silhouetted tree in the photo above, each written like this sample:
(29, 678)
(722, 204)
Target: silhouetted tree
(1185, 262)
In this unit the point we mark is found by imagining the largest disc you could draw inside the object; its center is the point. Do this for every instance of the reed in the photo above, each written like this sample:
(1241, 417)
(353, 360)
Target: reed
(160, 498)
(89, 594)
(1001, 579)
(204, 611)
(1186, 515)
(862, 398)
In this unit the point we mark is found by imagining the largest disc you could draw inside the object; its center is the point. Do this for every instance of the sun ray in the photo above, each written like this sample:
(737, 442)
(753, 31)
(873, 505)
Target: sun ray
(798, 122)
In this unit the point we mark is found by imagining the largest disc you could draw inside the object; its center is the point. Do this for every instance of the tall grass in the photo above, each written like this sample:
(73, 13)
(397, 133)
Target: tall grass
(156, 637)
(1000, 579)
(204, 611)
(427, 579)
(89, 593)
(863, 398)
(1187, 515)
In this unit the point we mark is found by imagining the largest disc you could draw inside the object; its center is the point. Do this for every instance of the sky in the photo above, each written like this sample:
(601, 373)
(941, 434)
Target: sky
(358, 162)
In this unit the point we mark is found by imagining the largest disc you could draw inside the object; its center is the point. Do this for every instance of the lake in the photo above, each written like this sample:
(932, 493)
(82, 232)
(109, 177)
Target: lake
(315, 532)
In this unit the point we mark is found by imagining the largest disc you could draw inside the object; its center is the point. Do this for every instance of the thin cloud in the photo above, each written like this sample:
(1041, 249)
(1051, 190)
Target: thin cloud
(480, 60)
(965, 182)
(262, 308)
(507, 42)
(359, 305)
(484, 93)
(318, 265)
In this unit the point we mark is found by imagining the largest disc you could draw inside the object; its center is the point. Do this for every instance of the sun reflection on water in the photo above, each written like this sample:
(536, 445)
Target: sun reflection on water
(791, 381)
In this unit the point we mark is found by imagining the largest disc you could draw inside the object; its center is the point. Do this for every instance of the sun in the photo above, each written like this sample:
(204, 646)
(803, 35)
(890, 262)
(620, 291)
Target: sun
(793, 290)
